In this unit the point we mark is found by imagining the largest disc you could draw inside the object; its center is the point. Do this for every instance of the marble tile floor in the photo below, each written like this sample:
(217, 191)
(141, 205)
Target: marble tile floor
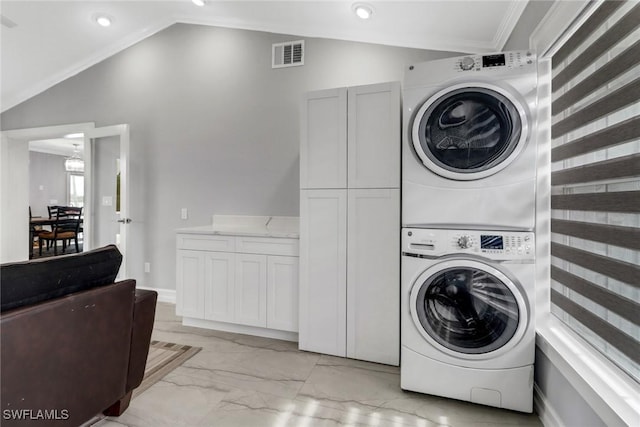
(245, 381)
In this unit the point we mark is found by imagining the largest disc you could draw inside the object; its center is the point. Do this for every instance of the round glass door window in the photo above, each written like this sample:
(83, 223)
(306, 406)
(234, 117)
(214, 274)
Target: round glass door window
(467, 310)
(467, 131)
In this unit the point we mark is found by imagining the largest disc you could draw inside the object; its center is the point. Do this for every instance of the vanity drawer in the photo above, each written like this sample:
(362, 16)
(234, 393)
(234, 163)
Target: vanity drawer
(199, 242)
(267, 246)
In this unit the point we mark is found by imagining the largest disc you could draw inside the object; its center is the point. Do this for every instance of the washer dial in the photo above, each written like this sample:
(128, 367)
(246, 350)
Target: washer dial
(464, 242)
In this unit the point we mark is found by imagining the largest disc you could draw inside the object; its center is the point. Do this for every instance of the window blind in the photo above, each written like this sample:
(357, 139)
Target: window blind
(595, 183)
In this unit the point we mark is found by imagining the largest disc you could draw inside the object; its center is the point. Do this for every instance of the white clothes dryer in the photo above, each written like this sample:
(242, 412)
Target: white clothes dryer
(469, 148)
(467, 315)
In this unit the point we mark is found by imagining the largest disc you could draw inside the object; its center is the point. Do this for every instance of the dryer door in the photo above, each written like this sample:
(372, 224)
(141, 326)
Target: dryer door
(468, 308)
(469, 132)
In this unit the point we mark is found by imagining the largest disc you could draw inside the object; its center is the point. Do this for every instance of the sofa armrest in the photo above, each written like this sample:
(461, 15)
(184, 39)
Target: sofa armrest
(69, 354)
(143, 317)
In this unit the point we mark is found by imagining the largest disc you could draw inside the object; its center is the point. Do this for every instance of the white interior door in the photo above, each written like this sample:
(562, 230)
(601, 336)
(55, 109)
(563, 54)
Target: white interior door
(107, 203)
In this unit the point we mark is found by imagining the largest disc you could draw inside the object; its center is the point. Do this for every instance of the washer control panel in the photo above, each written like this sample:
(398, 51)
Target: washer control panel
(499, 245)
(513, 60)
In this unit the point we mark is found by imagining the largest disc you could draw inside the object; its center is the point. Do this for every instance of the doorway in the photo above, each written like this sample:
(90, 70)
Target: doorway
(14, 194)
(56, 178)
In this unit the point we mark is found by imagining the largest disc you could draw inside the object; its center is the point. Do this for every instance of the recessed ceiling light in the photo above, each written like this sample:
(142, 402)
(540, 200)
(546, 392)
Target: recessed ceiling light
(199, 2)
(103, 20)
(362, 10)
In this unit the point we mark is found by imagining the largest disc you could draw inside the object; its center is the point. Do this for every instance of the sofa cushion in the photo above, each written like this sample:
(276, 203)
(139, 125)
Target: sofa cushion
(30, 282)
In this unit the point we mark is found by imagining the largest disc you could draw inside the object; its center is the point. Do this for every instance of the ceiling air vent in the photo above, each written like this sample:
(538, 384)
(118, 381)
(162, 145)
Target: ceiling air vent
(289, 54)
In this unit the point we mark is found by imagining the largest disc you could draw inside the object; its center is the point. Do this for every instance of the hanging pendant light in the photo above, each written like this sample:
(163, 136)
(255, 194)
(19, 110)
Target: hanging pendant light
(75, 162)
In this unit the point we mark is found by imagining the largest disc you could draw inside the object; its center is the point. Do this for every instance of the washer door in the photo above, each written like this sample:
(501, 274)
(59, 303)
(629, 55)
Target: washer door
(469, 132)
(468, 308)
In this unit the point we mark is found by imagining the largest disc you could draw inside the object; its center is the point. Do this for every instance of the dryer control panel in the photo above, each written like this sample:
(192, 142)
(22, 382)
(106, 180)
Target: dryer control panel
(511, 60)
(496, 245)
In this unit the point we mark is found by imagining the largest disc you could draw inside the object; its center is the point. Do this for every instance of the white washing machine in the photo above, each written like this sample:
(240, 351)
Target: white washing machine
(469, 149)
(467, 315)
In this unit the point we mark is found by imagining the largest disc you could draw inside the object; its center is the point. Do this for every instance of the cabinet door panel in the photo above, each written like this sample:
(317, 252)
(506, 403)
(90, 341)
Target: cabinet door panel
(323, 136)
(219, 285)
(251, 290)
(323, 246)
(374, 136)
(373, 276)
(282, 293)
(189, 284)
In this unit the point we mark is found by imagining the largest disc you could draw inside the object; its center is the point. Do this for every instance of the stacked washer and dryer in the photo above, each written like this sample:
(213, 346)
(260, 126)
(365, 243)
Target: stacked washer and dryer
(468, 214)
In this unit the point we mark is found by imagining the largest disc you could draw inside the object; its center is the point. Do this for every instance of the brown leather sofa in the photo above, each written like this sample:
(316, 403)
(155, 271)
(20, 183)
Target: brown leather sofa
(74, 343)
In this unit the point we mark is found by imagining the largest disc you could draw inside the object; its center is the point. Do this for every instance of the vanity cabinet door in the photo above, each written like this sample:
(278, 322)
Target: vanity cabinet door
(251, 290)
(190, 283)
(219, 283)
(282, 293)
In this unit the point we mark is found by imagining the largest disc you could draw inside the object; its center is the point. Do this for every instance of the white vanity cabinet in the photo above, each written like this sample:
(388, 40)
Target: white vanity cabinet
(242, 283)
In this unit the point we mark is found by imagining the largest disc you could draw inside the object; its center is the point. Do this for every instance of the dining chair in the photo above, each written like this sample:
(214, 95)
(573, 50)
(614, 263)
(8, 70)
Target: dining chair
(65, 228)
(52, 210)
(35, 232)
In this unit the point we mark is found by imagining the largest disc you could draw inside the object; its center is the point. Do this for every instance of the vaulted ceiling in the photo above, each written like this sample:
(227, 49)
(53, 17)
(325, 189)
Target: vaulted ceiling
(45, 42)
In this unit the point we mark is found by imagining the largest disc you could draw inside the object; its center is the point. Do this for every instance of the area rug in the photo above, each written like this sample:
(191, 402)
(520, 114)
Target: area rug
(163, 358)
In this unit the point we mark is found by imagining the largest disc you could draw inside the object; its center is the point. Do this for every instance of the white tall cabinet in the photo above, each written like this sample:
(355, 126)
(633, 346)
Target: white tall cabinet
(350, 222)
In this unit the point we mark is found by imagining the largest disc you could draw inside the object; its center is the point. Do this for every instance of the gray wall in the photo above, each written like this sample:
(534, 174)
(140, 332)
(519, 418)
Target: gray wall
(213, 128)
(46, 171)
(531, 17)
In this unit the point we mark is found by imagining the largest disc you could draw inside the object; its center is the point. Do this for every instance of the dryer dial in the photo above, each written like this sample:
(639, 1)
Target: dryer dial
(467, 63)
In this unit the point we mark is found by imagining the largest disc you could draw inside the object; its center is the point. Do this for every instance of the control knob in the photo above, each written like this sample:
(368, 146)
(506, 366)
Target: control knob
(467, 63)
(464, 242)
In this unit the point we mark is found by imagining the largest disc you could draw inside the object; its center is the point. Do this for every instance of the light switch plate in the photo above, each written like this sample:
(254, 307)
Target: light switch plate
(184, 214)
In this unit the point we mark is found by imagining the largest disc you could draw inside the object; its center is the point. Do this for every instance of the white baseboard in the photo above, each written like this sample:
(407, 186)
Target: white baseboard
(241, 329)
(164, 295)
(545, 411)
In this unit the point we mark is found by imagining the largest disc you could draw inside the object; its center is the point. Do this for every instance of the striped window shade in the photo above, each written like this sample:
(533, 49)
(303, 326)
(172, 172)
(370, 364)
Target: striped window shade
(595, 183)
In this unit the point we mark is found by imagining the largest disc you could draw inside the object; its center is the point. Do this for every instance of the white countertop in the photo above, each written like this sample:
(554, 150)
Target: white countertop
(241, 225)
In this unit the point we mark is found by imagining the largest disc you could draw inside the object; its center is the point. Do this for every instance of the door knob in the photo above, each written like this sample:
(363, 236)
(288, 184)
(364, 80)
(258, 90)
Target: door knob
(125, 220)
